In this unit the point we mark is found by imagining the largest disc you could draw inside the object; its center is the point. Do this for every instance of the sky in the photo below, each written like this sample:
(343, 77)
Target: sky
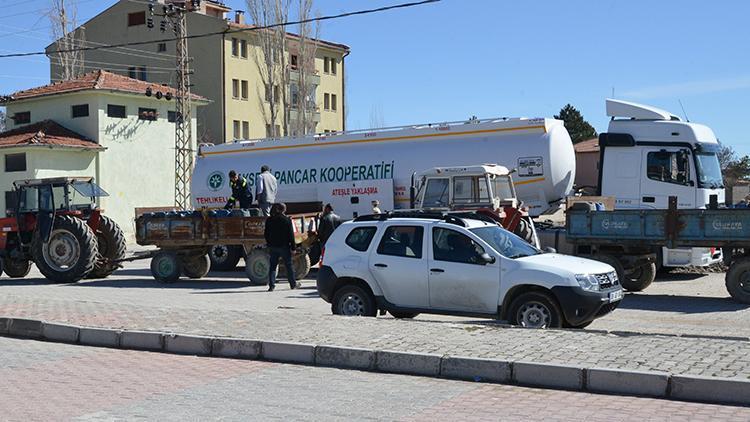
(493, 58)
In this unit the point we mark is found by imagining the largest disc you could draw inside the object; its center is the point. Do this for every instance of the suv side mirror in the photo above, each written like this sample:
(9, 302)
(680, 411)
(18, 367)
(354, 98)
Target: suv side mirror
(486, 258)
(549, 249)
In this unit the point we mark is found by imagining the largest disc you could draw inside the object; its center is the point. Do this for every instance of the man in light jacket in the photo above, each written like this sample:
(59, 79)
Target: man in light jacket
(265, 190)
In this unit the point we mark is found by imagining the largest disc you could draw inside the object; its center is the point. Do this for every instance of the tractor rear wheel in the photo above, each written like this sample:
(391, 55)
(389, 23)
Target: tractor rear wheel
(70, 253)
(111, 246)
(16, 268)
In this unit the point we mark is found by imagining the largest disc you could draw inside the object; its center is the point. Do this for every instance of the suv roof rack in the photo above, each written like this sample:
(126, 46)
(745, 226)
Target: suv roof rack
(433, 215)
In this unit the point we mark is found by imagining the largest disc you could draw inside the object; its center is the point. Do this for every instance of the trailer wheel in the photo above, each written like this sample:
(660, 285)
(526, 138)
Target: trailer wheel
(639, 278)
(224, 257)
(111, 245)
(16, 268)
(166, 267)
(70, 254)
(196, 266)
(301, 266)
(257, 266)
(738, 281)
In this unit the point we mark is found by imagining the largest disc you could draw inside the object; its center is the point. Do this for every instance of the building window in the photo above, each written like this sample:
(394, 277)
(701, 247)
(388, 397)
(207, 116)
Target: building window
(326, 102)
(294, 93)
(22, 118)
(333, 102)
(11, 201)
(244, 90)
(243, 49)
(235, 88)
(15, 162)
(275, 93)
(236, 129)
(147, 114)
(326, 67)
(137, 18)
(161, 47)
(171, 116)
(81, 110)
(133, 72)
(235, 47)
(116, 111)
(245, 130)
(142, 74)
(333, 65)
(269, 134)
(293, 61)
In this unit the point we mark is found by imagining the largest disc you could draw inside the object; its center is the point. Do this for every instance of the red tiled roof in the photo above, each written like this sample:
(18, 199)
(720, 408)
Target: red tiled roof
(96, 80)
(591, 145)
(234, 25)
(45, 133)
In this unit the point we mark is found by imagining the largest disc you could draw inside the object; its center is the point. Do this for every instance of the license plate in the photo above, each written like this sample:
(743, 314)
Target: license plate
(615, 296)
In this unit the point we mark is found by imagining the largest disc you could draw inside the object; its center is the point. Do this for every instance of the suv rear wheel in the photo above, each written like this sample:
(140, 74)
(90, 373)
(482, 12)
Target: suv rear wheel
(352, 300)
(535, 310)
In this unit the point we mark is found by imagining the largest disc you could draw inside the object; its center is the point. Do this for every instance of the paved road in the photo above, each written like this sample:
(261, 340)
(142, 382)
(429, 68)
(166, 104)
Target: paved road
(683, 304)
(48, 381)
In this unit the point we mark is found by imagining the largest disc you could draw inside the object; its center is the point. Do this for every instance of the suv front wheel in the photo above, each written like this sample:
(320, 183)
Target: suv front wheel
(352, 300)
(535, 310)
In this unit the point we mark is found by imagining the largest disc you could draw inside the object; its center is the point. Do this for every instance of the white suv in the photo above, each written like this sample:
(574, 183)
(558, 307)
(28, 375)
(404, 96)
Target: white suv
(407, 263)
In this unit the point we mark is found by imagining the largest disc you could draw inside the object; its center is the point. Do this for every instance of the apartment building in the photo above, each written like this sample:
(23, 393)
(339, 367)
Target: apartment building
(225, 69)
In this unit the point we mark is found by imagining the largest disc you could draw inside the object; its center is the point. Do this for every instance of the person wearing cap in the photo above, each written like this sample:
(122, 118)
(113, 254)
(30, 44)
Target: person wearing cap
(265, 190)
(376, 207)
(240, 192)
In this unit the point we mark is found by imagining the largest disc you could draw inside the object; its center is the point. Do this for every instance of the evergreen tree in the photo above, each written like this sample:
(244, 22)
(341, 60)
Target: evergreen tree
(578, 128)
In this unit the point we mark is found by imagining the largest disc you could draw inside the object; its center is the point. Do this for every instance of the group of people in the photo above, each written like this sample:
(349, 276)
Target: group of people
(279, 229)
(266, 187)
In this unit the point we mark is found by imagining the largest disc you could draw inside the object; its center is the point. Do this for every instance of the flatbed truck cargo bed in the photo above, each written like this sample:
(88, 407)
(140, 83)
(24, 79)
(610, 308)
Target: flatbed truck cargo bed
(183, 239)
(636, 230)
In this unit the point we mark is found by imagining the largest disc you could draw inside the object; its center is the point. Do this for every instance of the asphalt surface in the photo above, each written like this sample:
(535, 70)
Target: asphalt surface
(50, 382)
(683, 304)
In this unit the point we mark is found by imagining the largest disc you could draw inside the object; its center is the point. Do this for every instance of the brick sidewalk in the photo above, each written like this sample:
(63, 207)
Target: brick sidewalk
(678, 355)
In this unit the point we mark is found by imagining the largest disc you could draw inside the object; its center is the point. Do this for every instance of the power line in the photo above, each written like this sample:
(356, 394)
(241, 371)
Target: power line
(227, 31)
(39, 10)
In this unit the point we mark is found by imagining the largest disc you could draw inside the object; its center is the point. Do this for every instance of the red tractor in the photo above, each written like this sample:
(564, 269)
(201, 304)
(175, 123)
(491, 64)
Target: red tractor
(57, 225)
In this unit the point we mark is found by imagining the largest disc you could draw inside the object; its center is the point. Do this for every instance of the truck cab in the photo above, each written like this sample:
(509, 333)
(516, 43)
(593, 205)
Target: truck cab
(648, 155)
(486, 189)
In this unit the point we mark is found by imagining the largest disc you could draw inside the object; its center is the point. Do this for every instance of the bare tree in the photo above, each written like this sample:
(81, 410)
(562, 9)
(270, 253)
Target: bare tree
(63, 17)
(2, 121)
(270, 57)
(303, 90)
(376, 116)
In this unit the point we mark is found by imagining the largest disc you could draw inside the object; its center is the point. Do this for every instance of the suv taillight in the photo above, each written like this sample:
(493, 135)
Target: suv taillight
(322, 255)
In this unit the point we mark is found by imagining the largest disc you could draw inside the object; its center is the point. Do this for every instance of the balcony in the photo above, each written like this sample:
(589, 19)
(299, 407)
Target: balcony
(311, 78)
(294, 114)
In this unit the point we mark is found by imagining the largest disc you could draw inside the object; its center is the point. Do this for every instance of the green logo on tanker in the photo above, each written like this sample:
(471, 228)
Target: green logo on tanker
(215, 180)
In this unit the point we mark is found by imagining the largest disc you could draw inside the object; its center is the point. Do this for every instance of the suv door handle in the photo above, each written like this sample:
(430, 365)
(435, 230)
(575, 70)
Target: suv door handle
(649, 199)
(437, 270)
(381, 265)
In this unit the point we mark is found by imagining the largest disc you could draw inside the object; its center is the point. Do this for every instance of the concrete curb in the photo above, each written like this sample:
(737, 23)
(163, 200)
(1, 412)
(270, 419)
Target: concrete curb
(546, 375)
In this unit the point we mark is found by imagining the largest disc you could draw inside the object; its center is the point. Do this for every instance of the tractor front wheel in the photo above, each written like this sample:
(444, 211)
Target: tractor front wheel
(70, 253)
(16, 268)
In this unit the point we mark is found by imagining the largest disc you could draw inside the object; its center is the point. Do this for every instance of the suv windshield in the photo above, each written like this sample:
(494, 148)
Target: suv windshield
(709, 171)
(505, 243)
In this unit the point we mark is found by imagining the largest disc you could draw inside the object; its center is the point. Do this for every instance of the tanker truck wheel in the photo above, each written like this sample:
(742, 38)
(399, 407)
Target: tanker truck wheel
(16, 268)
(224, 257)
(196, 266)
(166, 267)
(639, 278)
(111, 244)
(71, 252)
(257, 266)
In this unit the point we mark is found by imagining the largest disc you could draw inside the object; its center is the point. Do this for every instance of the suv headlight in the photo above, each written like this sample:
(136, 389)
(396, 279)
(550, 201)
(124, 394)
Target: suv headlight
(588, 282)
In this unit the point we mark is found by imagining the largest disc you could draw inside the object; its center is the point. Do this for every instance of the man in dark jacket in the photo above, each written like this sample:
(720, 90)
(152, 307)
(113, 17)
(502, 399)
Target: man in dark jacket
(240, 191)
(328, 223)
(279, 234)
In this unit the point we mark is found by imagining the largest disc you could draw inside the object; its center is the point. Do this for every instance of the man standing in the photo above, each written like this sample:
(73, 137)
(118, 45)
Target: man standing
(328, 223)
(240, 191)
(279, 234)
(265, 190)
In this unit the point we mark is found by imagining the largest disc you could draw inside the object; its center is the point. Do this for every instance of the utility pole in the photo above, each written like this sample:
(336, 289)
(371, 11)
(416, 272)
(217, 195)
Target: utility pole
(174, 15)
